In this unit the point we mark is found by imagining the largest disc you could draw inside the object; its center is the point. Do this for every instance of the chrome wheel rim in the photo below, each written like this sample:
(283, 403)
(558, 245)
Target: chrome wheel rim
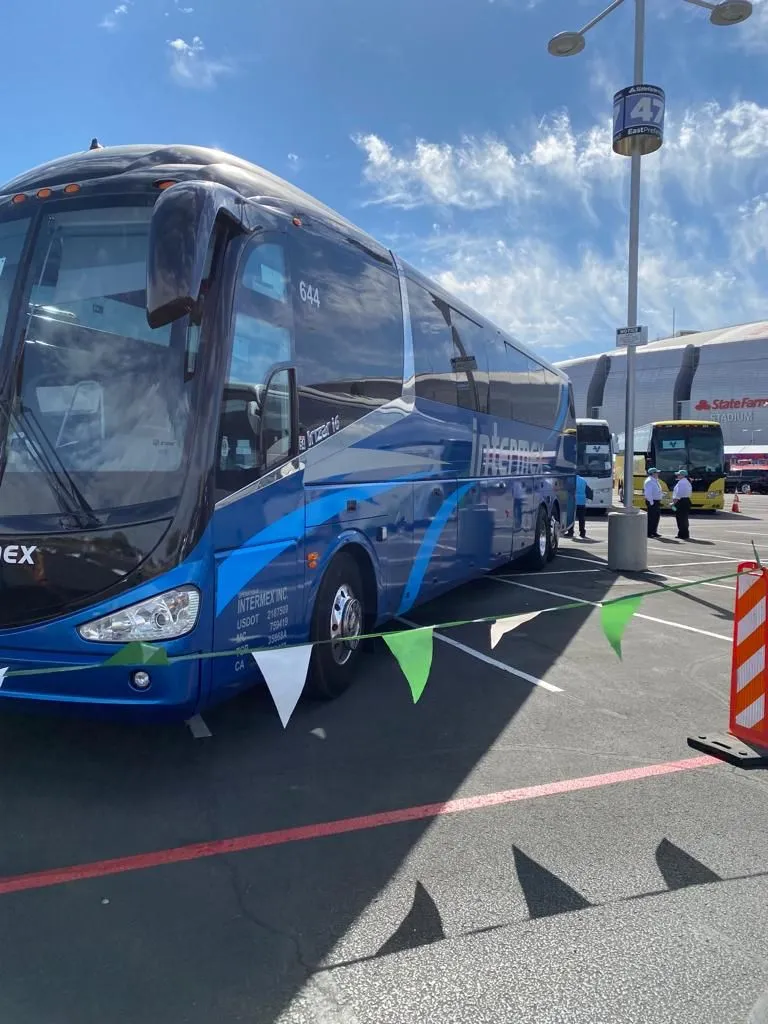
(346, 624)
(543, 539)
(555, 532)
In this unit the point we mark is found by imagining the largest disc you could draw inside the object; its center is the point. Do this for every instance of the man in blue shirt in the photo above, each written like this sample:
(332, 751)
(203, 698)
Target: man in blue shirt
(582, 493)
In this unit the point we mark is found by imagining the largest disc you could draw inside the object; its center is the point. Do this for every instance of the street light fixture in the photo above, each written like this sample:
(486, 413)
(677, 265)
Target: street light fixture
(728, 12)
(638, 130)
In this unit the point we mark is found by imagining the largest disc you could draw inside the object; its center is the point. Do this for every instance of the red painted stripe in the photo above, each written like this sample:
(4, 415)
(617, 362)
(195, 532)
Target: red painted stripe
(215, 847)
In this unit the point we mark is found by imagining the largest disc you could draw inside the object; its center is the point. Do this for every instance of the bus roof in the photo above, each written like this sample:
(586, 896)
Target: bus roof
(592, 422)
(142, 164)
(686, 423)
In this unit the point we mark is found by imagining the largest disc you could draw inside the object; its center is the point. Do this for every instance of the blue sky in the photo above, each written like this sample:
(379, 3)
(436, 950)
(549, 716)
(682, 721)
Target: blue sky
(445, 129)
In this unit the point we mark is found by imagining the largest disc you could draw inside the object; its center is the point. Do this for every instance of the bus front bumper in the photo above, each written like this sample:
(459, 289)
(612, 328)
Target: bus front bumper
(83, 684)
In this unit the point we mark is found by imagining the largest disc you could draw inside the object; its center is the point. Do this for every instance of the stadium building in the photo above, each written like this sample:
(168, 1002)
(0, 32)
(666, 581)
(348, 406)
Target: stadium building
(720, 375)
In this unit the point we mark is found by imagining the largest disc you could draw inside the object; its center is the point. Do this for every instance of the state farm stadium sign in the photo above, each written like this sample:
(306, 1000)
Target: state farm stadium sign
(731, 410)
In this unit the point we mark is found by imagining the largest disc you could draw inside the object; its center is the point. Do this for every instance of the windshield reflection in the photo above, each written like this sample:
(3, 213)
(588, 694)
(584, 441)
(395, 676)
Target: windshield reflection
(109, 394)
(698, 453)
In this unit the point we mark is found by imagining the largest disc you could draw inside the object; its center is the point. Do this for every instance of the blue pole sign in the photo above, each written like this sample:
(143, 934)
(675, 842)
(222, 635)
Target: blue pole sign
(638, 120)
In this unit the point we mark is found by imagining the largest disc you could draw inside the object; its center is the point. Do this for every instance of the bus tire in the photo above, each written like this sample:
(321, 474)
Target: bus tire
(537, 557)
(553, 534)
(339, 612)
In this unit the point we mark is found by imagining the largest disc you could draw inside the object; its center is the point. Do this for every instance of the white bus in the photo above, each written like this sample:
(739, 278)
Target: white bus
(594, 461)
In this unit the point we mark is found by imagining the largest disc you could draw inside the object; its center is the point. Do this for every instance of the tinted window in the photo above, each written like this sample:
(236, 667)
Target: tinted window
(261, 338)
(440, 356)
(509, 382)
(349, 331)
(543, 396)
(469, 338)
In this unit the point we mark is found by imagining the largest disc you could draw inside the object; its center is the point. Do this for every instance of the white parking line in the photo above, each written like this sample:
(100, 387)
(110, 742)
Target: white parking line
(683, 579)
(597, 604)
(559, 572)
(677, 565)
(487, 659)
(577, 558)
(662, 565)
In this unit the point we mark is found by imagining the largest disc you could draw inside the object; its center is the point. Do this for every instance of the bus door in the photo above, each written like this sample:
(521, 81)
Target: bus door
(258, 535)
(259, 522)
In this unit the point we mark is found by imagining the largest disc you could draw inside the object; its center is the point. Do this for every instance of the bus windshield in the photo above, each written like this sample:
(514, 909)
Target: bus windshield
(594, 458)
(100, 407)
(699, 450)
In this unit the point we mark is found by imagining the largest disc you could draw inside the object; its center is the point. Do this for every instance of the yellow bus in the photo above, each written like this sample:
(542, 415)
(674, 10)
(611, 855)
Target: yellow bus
(669, 445)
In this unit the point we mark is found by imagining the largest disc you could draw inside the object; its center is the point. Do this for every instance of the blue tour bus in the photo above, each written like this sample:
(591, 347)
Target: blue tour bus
(229, 418)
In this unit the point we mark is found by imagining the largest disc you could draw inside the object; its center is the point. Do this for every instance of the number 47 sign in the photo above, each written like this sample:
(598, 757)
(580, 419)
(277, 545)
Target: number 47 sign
(638, 120)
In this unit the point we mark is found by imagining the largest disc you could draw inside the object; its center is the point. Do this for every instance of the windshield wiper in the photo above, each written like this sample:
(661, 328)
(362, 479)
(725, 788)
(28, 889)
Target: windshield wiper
(68, 494)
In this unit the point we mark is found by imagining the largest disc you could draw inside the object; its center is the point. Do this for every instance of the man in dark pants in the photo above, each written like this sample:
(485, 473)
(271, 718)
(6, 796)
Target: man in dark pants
(681, 496)
(653, 494)
(584, 493)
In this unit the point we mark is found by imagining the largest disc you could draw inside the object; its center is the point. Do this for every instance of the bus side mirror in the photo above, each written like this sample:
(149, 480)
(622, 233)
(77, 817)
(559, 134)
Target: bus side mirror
(183, 221)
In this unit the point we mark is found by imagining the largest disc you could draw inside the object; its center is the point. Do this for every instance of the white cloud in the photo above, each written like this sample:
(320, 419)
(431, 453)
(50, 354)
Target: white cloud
(753, 37)
(112, 20)
(537, 234)
(190, 67)
(707, 143)
(475, 175)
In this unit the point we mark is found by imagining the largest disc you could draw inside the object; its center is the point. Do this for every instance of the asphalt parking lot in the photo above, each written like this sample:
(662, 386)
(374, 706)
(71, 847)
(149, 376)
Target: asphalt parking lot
(532, 842)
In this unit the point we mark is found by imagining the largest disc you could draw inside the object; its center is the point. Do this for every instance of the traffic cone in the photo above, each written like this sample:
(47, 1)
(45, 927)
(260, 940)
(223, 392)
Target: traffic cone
(746, 742)
(735, 505)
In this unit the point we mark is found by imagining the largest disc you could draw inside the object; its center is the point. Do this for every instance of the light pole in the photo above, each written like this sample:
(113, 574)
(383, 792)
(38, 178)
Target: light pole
(637, 131)
(753, 431)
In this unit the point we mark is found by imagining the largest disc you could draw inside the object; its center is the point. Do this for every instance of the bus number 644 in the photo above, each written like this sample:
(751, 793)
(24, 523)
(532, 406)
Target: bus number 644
(309, 294)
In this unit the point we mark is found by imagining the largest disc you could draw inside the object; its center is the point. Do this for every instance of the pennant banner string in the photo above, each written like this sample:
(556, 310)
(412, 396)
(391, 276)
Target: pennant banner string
(141, 652)
(615, 618)
(501, 627)
(285, 673)
(413, 650)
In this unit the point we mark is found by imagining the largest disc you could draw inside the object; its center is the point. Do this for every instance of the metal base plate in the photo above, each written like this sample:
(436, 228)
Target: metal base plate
(729, 748)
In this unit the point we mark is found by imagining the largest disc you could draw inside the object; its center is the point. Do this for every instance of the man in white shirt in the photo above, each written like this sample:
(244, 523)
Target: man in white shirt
(681, 496)
(653, 494)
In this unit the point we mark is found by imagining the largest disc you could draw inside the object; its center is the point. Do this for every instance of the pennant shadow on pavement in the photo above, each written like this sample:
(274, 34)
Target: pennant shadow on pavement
(421, 926)
(545, 894)
(680, 870)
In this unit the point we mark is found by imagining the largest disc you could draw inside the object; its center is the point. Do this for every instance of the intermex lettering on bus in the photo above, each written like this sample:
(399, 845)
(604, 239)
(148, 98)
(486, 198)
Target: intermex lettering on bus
(498, 454)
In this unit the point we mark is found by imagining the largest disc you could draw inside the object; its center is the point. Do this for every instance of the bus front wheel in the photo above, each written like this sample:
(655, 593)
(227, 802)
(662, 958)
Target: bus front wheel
(338, 621)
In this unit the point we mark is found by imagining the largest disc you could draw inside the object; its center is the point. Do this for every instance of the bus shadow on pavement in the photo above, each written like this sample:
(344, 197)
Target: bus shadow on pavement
(240, 934)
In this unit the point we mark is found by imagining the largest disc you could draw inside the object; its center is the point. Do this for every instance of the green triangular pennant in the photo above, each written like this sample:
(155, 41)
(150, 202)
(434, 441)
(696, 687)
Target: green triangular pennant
(614, 618)
(136, 653)
(413, 650)
(757, 557)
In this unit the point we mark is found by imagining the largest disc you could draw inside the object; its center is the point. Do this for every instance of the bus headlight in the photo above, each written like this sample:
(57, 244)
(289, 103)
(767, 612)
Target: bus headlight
(713, 494)
(162, 617)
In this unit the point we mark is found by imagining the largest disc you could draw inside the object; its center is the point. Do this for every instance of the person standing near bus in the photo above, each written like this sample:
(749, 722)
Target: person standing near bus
(653, 495)
(583, 492)
(681, 496)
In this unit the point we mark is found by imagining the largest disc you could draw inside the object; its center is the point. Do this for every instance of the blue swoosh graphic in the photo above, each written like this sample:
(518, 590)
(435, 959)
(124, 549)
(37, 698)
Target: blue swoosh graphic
(427, 547)
(247, 561)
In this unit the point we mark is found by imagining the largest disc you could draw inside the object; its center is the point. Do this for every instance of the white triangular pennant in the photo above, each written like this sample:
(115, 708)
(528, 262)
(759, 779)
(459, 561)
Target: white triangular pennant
(502, 626)
(2, 675)
(285, 673)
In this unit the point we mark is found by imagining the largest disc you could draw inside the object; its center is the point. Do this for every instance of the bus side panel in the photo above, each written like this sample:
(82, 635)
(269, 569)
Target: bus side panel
(259, 551)
(435, 567)
(377, 517)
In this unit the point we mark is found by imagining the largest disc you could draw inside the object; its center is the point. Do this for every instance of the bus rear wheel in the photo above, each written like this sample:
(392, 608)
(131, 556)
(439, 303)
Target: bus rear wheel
(337, 623)
(537, 556)
(553, 540)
